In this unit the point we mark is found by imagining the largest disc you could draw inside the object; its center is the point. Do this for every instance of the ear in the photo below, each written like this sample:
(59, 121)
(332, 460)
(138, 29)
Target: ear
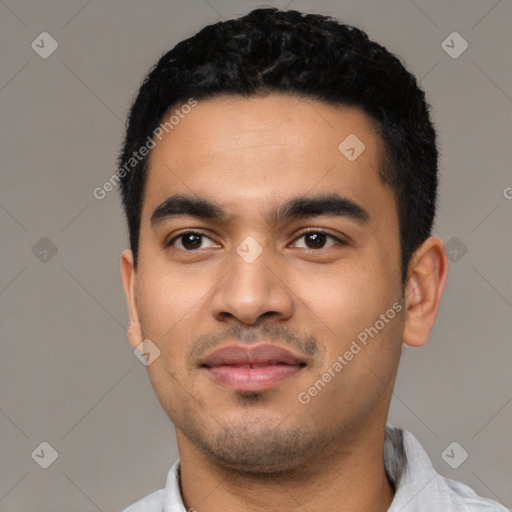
(428, 272)
(129, 276)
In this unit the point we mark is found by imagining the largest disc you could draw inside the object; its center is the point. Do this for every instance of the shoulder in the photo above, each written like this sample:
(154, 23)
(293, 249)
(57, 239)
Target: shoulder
(163, 500)
(153, 502)
(466, 500)
(419, 487)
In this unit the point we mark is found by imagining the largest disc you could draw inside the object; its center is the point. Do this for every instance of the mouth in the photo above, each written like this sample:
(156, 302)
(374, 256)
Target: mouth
(252, 369)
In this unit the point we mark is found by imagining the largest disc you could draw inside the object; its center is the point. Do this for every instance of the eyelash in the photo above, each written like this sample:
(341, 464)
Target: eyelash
(304, 233)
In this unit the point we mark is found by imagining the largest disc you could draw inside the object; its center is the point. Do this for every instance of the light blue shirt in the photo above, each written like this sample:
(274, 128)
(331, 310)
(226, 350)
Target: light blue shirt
(418, 487)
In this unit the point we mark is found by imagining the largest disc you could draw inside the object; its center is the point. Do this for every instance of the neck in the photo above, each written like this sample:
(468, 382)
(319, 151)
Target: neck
(346, 479)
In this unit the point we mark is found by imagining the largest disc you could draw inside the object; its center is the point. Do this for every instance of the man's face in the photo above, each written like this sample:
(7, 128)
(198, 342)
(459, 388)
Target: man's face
(254, 278)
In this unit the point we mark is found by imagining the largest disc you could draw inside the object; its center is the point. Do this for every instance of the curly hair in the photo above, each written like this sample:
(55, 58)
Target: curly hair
(305, 55)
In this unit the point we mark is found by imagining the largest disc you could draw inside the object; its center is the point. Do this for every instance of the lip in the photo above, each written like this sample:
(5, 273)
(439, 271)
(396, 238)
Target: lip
(254, 368)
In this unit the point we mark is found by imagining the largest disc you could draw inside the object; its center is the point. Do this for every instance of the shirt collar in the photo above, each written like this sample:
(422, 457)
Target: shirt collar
(409, 469)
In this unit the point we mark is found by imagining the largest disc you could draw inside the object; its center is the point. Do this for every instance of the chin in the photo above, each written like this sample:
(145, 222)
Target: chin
(262, 448)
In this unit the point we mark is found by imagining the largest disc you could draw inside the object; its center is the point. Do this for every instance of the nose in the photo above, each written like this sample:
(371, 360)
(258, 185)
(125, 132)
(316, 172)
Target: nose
(251, 291)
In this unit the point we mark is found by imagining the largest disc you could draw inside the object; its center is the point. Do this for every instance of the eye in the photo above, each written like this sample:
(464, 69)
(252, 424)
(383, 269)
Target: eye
(315, 239)
(189, 241)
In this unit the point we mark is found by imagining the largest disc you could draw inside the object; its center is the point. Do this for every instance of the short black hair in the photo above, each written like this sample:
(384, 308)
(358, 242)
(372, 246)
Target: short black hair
(305, 55)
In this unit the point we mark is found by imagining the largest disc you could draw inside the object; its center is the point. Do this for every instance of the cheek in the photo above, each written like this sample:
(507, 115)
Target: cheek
(346, 293)
(168, 301)
(361, 349)
(350, 300)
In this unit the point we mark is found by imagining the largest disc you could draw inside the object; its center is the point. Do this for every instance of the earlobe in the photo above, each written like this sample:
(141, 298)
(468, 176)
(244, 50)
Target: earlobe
(128, 276)
(428, 272)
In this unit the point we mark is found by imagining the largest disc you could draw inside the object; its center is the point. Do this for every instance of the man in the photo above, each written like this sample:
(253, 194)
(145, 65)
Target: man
(279, 178)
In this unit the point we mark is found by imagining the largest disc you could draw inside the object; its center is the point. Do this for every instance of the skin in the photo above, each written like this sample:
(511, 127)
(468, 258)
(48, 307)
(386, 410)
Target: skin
(266, 450)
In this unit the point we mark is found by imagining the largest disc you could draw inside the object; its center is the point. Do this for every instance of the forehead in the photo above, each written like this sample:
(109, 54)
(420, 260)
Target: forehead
(253, 153)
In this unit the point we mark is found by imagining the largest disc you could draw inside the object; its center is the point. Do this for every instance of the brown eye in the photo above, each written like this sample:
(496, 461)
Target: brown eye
(189, 241)
(317, 239)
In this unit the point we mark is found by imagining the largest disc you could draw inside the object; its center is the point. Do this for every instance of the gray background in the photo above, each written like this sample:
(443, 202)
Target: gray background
(68, 374)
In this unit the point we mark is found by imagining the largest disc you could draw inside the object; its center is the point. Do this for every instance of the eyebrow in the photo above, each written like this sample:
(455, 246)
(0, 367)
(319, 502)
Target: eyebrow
(298, 207)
